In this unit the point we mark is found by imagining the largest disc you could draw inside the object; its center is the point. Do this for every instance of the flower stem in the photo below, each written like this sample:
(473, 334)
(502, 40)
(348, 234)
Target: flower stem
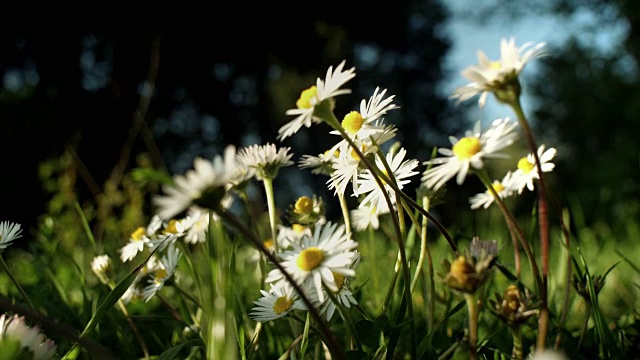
(15, 282)
(516, 332)
(472, 307)
(543, 222)
(271, 204)
(345, 212)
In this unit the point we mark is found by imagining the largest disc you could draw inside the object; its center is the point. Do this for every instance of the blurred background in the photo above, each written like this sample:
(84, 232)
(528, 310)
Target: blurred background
(81, 109)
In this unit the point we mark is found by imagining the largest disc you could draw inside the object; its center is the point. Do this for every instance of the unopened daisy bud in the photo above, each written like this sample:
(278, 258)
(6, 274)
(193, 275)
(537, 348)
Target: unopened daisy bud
(513, 307)
(461, 275)
(306, 210)
(101, 266)
(469, 272)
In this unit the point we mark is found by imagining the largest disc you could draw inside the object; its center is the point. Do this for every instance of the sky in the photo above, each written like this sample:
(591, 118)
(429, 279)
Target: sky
(468, 37)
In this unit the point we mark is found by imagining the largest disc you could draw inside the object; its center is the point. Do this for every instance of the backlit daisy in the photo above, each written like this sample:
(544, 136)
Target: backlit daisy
(364, 217)
(490, 76)
(140, 238)
(343, 296)
(321, 164)
(101, 266)
(9, 231)
(401, 170)
(276, 303)
(469, 151)
(527, 170)
(362, 124)
(266, 160)
(503, 188)
(313, 262)
(165, 271)
(205, 185)
(324, 90)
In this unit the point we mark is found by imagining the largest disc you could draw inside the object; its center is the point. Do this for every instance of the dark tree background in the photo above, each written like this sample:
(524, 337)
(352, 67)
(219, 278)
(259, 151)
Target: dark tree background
(105, 96)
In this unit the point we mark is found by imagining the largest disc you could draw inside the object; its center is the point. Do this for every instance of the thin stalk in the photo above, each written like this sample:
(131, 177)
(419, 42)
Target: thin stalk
(426, 252)
(482, 175)
(567, 293)
(516, 333)
(374, 272)
(543, 222)
(134, 327)
(15, 282)
(345, 316)
(327, 337)
(271, 204)
(472, 307)
(186, 294)
(345, 212)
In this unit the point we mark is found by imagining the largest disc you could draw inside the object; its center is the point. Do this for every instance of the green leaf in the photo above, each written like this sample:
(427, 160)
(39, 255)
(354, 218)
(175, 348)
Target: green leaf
(172, 352)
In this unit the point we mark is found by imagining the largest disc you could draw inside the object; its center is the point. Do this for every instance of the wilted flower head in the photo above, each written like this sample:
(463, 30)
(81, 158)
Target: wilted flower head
(20, 341)
(468, 272)
(513, 307)
(500, 75)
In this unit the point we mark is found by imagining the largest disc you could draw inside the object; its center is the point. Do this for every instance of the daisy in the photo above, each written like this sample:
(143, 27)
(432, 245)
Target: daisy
(343, 296)
(292, 234)
(167, 268)
(323, 91)
(197, 232)
(527, 171)
(490, 76)
(348, 165)
(503, 188)
(9, 231)
(321, 164)
(139, 238)
(364, 217)
(33, 344)
(401, 170)
(205, 185)
(313, 262)
(360, 124)
(276, 303)
(266, 160)
(469, 151)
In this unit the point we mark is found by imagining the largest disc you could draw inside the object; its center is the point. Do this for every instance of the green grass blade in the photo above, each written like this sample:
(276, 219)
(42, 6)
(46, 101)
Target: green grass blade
(85, 225)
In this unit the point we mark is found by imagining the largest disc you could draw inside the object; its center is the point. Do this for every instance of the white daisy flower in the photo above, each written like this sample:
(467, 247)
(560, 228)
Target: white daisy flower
(139, 238)
(469, 151)
(266, 160)
(360, 124)
(321, 164)
(489, 76)
(292, 234)
(401, 170)
(168, 265)
(197, 232)
(33, 343)
(132, 293)
(503, 188)
(348, 165)
(343, 295)
(364, 217)
(313, 262)
(527, 170)
(9, 231)
(276, 303)
(205, 185)
(323, 91)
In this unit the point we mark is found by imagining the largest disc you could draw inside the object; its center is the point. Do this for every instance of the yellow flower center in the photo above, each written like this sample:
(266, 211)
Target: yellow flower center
(298, 228)
(268, 243)
(160, 275)
(498, 187)
(495, 65)
(304, 205)
(466, 147)
(339, 280)
(354, 155)
(138, 234)
(310, 258)
(511, 299)
(352, 122)
(171, 227)
(282, 304)
(306, 97)
(461, 270)
(525, 165)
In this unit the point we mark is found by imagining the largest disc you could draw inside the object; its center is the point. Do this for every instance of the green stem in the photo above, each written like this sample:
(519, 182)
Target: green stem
(15, 282)
(472, 307)
(543, 222)
(345, 212)
(345, 317)
(374, 272)
(271, 204)
(516, 332)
